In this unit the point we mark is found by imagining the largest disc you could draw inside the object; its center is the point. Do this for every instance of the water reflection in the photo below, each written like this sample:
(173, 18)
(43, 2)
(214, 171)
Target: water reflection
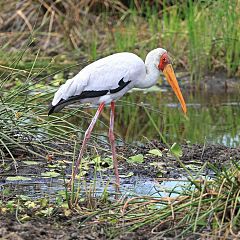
(212, 117)
(132, 187)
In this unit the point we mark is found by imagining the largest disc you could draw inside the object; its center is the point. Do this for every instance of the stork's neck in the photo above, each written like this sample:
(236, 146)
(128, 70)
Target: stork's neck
(152, 75)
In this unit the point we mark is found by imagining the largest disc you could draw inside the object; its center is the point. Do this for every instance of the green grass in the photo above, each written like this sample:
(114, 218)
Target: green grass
(23, 113)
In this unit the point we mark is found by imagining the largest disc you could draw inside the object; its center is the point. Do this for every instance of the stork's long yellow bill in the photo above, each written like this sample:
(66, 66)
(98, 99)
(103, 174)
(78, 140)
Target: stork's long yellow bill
(171, 78)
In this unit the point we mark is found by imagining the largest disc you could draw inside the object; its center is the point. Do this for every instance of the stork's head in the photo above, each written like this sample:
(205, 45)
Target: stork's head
(159, 57)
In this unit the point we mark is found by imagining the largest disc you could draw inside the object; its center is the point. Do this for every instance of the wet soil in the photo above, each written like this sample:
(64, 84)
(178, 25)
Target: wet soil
(68, 229)
(59, 226)
(54, 229)
(195, 154)
(46, 228)
(166, 165)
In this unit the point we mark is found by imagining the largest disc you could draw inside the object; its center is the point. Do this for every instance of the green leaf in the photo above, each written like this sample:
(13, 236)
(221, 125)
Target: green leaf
(159, 165)
(10, 204)
(30, 204)
(202, 222)
(47, 212)
(81, 174)
(57, 165)
(97, 160)
(25, 218)
(50, 174)
(176, 150)
(159, 174)
(23, 197)
(155, 152)
(130, 174)
(107, 160)
(136, 159)
(31, 162)
(18, 178)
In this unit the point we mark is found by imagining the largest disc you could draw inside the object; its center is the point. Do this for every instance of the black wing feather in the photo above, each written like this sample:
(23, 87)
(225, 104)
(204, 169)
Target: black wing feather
(86, 94)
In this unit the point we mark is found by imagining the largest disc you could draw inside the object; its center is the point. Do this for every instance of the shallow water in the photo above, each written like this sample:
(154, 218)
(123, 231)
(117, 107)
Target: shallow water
(131, 187)
(212, 117)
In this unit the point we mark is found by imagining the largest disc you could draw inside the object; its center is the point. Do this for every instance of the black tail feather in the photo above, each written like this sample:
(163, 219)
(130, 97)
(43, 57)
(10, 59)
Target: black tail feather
(58, 107)
(51, 109)
(61, 104)
(85, 94)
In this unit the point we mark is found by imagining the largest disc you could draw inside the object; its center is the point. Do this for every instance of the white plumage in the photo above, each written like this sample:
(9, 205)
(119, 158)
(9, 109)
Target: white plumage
(106, 80)
(104, 74)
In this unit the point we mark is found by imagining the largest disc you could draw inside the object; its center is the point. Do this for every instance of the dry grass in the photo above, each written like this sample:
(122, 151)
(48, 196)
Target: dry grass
(93, 28)
(57, 24)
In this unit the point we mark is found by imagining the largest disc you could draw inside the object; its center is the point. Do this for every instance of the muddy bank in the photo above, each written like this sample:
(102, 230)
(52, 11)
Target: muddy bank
(167, 166)
(192, 155)
(64, 229)
(47, 228)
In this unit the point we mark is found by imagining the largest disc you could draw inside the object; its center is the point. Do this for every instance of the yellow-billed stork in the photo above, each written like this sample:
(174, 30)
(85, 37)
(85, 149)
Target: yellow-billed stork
(108, 79)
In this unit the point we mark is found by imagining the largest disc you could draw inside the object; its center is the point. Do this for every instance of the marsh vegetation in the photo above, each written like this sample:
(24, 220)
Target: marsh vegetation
(43, 43)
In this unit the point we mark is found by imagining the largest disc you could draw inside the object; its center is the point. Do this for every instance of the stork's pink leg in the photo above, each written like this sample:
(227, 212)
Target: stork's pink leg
(86, 138)
(112, 142)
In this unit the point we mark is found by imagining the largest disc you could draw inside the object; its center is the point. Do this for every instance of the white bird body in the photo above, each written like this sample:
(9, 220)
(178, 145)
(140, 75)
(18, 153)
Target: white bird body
(107, 80)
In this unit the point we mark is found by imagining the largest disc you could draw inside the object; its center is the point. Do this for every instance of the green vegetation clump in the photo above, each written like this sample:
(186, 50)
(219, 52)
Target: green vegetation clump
(26, 131)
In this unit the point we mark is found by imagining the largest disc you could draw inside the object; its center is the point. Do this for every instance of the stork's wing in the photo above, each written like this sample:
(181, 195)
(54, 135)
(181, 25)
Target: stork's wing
(105, 77)
(95, 80)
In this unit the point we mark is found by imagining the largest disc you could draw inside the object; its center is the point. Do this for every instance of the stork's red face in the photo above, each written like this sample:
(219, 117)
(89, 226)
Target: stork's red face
(166, 67)
(164, 60)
